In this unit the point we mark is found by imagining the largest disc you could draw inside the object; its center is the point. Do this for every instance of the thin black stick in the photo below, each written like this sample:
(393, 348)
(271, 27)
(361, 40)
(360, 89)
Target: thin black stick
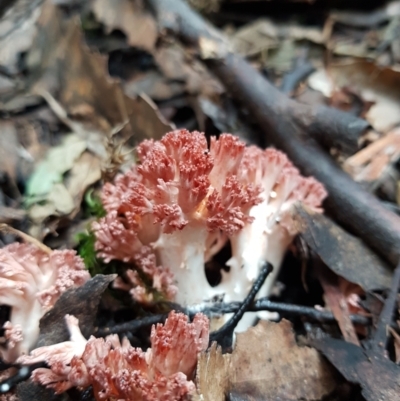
(131, 326)
(264, 304)
(224, 335)
(380, 339)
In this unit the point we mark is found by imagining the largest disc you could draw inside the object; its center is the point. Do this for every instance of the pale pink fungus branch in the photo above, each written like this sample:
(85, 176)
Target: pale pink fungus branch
(117, 371)
(273, 229)
(31, 281)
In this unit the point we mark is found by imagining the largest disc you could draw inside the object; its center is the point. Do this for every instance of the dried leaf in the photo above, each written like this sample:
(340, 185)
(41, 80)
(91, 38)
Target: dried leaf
(61, 199)
(88, 100)
(336, 301)
(378, 376)
(264, 34)
(373, 83)
(17, 30)
(131, 18)
(155, 85)
(57, 162)
(176, 65)
(213, 374)
(343, 253)
(266, 356)
(82, 302)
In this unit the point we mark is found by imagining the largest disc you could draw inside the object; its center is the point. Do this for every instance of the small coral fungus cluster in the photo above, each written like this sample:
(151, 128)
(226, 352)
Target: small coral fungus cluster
(31, 281)
(117, 371)
(184, 200)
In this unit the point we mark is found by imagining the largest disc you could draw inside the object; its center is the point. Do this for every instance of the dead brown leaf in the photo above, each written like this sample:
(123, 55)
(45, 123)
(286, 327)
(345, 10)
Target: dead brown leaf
(372, 83)
(268, 364)
(81, 302)
(336, 301)
(343, 253)
(378, 376)
(17, 30)
(88, 99)
(177, 65)
(213, 374)
(131, 18)
(263, 34)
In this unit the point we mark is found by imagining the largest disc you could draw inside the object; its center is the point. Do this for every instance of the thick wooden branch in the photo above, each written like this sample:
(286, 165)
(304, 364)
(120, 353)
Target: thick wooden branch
(288, 125)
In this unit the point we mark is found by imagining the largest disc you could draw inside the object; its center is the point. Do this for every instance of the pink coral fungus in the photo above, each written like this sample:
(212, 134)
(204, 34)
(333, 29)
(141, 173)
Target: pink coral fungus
(31, 281)
(186, 201)
(117, 371)
(183, 200)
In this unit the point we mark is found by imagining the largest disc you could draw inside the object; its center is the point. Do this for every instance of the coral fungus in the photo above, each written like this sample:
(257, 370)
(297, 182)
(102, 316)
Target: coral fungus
(117, 371)
(31, 281)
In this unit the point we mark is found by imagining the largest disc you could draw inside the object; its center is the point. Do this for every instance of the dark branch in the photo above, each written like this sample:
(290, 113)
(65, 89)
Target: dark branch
(264, 304)
(131, 326)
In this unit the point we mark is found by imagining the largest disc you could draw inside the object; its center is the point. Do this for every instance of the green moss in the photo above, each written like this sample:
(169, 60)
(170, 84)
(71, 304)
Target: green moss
(93, 205)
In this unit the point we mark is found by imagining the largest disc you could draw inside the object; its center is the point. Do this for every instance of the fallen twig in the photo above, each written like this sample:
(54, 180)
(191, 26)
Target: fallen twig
(289, 125)
(262, 304)
(131, 326)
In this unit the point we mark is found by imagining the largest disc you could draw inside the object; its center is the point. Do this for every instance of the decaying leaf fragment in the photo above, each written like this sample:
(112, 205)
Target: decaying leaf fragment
(268, 365)
(336, 301)
(81, 302)
(130, 17)
(213, 374)
(378, 376)
(343, 253)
